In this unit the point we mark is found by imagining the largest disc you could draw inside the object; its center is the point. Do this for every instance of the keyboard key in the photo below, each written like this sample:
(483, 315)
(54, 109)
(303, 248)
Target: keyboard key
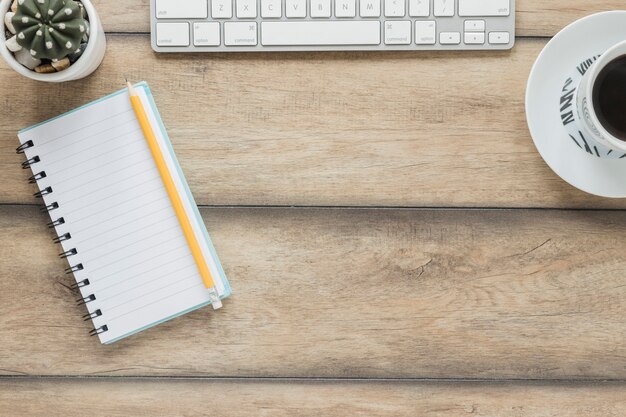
(369, 8)
(499, 38)
(474, 25)
(246, 9)
(474, 38)
(484, 7)
(320, 8)
(346, 32)
(221, 9)
(425, 32)
(394, 8)
(175, 9)
(172, 34)
(397, 32)
(271, 8)
(419, 8)
(240, 33)
(295, 8)
(450, 38)
(444, 8)
(206, 34)
(345, 8)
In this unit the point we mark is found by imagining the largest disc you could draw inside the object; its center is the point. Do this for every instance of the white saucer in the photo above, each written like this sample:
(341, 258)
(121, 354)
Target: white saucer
(581, 162)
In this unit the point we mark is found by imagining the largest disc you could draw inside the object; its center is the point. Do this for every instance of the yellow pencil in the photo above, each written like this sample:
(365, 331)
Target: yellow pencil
(166, 176)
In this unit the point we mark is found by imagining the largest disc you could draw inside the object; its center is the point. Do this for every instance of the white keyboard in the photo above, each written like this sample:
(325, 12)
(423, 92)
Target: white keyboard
(331, 25)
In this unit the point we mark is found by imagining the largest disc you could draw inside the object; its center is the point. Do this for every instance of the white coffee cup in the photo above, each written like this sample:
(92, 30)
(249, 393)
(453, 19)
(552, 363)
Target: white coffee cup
(584, 100)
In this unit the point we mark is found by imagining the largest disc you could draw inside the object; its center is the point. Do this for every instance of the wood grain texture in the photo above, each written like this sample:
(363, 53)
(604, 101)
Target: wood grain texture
(113, 397)
(350, 293)
(534, 17)
(324, 130)
(548, 17)
(335, 293)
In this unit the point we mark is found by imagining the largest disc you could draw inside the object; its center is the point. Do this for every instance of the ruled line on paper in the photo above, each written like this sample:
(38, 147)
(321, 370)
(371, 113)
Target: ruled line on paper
(82, 139)
(118, 205)
(136, 254)
(153, 302)
(82, 196)
(144, 176)
(133, 277)
(146, 260)
(160, 220)
(71, 132)
(151, 280)
(157, 209)
(91, 148)
(126, 175)
(143, 249)
(99, 167)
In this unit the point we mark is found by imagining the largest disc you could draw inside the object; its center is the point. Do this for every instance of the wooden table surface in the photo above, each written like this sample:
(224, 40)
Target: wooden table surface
(395, 243)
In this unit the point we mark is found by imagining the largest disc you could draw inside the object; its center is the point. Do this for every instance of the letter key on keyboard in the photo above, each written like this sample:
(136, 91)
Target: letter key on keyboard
(331, 25)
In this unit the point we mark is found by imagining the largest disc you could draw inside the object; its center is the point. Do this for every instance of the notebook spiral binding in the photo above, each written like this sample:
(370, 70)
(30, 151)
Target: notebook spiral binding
(61, 238)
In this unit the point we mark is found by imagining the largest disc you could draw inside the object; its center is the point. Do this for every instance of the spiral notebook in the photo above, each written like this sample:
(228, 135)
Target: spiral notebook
(113, 217)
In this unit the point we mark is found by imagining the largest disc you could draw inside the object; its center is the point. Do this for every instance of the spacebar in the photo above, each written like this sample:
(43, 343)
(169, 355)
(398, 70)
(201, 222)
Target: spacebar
(320, 33)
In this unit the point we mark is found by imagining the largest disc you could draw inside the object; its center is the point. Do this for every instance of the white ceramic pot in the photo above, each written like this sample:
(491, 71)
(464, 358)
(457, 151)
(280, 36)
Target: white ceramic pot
(85, 65)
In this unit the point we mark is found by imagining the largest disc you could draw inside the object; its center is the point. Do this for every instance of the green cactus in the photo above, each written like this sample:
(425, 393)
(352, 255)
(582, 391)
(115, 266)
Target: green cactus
(49, 29)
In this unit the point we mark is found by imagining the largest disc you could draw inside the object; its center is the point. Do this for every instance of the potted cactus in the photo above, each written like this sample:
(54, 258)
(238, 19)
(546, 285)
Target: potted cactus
(51, 40)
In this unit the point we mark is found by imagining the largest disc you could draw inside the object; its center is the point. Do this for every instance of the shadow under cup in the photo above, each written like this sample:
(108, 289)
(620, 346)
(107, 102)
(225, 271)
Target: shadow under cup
(609, 97)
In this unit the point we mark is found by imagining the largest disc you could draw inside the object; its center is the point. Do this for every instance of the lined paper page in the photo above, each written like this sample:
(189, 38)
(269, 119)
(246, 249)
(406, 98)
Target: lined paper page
(121, 221)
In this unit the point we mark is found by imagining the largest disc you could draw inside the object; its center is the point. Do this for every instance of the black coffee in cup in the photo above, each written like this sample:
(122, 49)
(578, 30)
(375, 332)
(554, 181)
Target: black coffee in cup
(609, 97)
